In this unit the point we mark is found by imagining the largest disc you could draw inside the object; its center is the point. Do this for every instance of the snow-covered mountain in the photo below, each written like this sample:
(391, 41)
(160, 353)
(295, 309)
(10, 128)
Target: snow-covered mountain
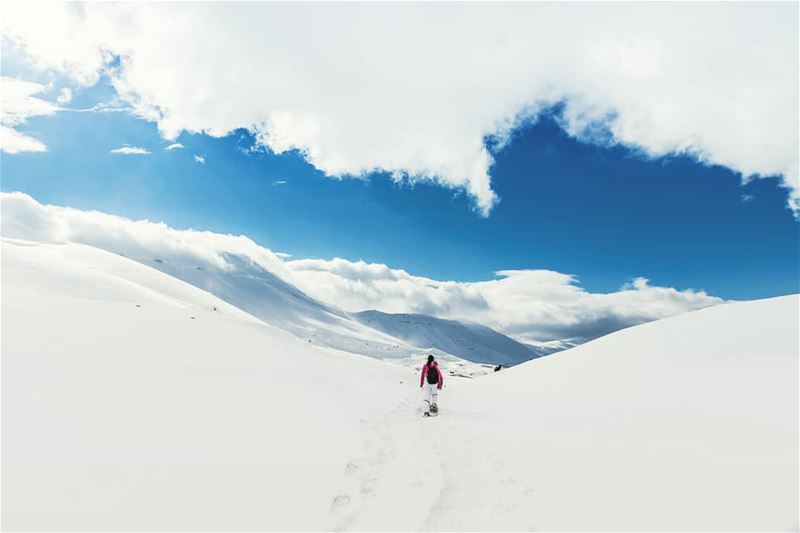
(134, 400)
(233, 268)
(473, 342)
(251, 287)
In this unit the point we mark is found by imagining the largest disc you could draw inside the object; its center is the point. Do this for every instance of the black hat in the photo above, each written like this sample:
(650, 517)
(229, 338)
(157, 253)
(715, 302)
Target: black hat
(430, 359)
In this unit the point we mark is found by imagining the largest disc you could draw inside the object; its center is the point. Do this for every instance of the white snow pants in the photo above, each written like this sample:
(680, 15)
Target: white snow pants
(430, 395)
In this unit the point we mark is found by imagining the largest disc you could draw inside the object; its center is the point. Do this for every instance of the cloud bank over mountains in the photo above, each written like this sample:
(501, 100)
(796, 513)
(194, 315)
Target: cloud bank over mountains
(531, 305)
(415, 90)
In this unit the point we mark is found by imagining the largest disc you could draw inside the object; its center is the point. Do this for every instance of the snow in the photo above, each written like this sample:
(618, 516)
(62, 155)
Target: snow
(688, 423)
(233, 268)
(116, 415)
(134, 400)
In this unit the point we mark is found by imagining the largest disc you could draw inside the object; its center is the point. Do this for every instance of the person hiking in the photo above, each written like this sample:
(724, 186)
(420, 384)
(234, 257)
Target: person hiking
(431, 381)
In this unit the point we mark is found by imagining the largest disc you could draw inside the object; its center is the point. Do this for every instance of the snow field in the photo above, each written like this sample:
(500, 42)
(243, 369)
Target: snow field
(688, 423)
(118, 416)
(132, 400)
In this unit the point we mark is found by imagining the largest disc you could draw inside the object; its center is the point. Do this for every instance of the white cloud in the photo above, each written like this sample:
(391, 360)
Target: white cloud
(130, 150)
(279, 182)
(174, 146)
(64, 96)
(414, 88)
(200, 159)
(14, 142)
(532, 305)
(18, 103)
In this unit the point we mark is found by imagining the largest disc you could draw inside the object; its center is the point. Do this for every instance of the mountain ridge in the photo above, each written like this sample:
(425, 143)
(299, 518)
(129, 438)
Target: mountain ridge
(468, 340)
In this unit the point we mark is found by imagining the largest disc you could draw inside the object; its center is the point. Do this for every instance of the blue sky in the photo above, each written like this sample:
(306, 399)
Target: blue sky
(531, 149)
(606, 214)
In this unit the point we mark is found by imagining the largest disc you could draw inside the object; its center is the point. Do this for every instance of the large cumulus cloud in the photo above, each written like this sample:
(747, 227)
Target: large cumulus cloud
(415, 88)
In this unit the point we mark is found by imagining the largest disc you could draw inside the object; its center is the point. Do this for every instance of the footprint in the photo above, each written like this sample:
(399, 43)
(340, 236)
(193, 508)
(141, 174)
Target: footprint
(340, 501)
(368, 484)
(351, 468)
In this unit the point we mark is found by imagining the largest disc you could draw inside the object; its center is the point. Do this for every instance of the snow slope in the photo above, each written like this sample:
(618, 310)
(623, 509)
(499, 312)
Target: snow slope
(687, 423)
(265, 295)
(128, 402)
(233, 268)
(473, 342)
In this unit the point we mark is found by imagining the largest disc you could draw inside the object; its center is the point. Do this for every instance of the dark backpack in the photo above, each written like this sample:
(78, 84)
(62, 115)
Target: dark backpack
(433, 375)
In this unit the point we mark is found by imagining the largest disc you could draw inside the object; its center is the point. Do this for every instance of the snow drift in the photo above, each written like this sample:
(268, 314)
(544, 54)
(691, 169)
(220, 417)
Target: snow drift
(687, 423)
(133, 400)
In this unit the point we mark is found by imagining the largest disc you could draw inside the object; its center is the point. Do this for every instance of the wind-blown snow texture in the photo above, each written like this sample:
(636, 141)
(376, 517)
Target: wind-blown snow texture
(132, 400)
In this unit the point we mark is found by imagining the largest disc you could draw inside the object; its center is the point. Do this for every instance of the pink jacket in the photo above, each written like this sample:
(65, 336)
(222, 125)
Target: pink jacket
(425, 374)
